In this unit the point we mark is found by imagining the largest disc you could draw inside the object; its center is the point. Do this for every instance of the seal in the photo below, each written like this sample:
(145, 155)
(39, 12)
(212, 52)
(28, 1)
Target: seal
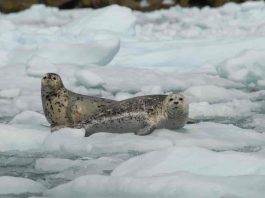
(64, 108)
(141, 115)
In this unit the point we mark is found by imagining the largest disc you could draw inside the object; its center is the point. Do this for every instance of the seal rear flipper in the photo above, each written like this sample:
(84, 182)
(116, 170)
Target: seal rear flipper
(146, 130)
(192, 121)
(89, 130)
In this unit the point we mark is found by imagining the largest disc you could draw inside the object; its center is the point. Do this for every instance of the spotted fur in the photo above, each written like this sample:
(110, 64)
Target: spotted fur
(140, 115)
(64, 108)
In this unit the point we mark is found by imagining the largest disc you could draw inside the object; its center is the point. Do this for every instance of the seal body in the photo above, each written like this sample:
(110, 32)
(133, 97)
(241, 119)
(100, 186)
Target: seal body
(140, 115)
(63, 108)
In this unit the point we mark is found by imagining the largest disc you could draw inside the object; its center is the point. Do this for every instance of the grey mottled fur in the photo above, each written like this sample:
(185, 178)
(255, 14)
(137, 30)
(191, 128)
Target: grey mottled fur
(141, 115)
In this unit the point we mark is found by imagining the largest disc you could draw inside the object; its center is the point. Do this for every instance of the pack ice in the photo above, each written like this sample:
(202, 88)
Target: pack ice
(214, 56)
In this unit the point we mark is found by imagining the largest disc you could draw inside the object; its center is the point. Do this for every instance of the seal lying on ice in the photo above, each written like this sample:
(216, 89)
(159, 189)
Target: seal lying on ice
(141, 115)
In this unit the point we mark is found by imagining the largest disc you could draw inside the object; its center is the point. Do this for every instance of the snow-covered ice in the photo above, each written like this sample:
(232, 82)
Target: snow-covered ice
(17, 186)
(215, 56)
(180, 184)
(194, 160)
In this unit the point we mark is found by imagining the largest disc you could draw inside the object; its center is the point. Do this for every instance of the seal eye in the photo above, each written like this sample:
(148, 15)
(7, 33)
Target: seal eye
(54, 78)
(181, 99)
(171, 99)
(45, 77)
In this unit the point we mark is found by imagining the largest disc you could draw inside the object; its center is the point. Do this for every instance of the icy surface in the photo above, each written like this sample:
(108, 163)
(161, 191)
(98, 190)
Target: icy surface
(214, 56)
(17, 186)
(174, 185)
(194, 160)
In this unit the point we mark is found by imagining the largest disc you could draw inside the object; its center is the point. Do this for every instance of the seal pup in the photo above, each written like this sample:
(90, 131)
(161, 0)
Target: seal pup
(141, 115)
(64, 108)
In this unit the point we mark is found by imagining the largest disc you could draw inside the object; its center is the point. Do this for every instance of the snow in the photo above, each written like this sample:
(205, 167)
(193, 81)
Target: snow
(214, 56)
(17, 186)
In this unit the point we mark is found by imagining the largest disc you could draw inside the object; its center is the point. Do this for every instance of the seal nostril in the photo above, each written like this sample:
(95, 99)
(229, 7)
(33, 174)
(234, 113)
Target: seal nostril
(176, 102)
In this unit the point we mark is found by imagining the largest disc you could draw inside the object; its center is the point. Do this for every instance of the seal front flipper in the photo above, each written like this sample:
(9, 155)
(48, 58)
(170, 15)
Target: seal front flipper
(146, 130)
(56, 128)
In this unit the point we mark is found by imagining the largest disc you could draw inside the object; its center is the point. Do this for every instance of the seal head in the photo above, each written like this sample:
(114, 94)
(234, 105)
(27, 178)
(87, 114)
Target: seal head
(175, 110)
(51, 82)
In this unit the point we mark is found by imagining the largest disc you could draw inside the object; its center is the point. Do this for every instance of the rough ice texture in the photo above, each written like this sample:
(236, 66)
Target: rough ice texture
(180, 184)
(111, 18)
(214, 56)
(89, 79)
(247, 67)
(30, 118)
(17, 186)
(177, 159)
(207, 135)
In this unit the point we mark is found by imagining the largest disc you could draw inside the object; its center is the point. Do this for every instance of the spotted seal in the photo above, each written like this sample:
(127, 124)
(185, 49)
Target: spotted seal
(141, 115)
(64, 108)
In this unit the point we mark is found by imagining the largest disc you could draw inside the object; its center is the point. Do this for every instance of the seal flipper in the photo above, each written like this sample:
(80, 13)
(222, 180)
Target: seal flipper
(192, 121)
(90, 129)
(56, 128)
(146, 130)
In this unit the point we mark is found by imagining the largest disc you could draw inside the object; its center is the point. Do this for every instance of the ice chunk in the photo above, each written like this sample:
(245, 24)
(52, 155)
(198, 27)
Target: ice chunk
(257, 122)
(38, 66)
(207, 135)
(17, 186)
(39, 14)
(65, 169)
(214, 136)
(72, 141)
(176, 159)
(20, 138)
(53, 164)
(88, 79)
(30, 118)
(165, 55)
(95, 52)
(175, 185)
(213, 94)
(113, 18)
(9, 93)
(251, 6)
(3, 58)
(247, 67)
(234, 109)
